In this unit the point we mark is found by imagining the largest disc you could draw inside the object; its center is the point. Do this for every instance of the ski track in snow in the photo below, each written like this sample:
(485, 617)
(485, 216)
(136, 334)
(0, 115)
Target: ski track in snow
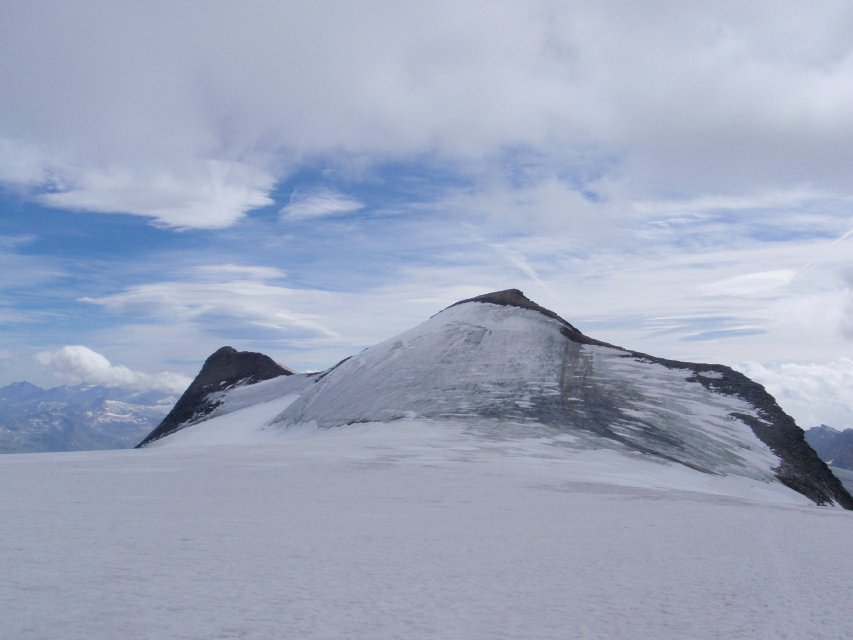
(412, 529)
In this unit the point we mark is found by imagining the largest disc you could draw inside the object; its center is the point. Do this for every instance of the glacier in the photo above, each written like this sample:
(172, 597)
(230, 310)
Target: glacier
(416, 529)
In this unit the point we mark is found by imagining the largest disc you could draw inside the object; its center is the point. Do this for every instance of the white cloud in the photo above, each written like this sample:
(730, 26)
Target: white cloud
(760, 284)
(541, 205)
(201, 195)
(710, 99)
(319, 204)
(21, 164)
(81, 364)
(217, 271)
(775, 200)
(627, 158)
(232, 295)
(812, 393)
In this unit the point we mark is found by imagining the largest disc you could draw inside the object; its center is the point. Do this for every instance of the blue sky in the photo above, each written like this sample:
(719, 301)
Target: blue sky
(307, 179)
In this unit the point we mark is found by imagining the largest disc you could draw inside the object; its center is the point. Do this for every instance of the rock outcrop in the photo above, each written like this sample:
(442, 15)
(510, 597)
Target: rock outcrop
(223, 370)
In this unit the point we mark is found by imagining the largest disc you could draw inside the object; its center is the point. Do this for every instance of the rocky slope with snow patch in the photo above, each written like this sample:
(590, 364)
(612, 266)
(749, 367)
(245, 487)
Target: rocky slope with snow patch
(226, 369)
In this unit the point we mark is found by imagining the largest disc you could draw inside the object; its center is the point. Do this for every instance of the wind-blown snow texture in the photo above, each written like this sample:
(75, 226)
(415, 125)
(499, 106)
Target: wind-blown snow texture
(414, 529)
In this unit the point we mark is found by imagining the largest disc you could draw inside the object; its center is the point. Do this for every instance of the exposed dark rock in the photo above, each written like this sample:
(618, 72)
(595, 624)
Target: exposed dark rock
(516, 298)
(223, 370)
(513, 298)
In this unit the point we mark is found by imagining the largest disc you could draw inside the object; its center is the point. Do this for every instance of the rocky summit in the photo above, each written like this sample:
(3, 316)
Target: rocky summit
(223, 370)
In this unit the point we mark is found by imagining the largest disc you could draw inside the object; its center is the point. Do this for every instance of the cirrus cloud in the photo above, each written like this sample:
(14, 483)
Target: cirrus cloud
(319, 203)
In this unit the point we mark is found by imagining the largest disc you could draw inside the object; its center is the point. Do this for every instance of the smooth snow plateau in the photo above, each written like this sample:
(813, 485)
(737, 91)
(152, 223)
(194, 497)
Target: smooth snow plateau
(414, 529)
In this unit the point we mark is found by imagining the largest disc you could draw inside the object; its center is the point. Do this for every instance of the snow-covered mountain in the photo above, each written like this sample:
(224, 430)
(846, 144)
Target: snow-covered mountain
(504, 369)
(71, 418)
(835, 447)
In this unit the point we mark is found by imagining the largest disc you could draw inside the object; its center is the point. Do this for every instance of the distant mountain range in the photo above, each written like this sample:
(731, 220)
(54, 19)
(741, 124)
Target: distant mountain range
(833, 446)
(836, 449)
(79, 417)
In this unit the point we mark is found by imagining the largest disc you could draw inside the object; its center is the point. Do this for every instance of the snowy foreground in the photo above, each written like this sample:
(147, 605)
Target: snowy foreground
(409, 530)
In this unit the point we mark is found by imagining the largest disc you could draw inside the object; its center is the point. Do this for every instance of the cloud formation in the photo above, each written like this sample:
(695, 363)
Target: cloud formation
(241, 297)
(195, 131)
(81, 364)
(812, 393)
(208, 195)
(319, 203)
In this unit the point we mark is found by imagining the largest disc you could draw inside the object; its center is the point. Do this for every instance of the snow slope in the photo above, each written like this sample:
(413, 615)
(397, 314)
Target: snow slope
(411, 529)
(474, 361)
(243, 416)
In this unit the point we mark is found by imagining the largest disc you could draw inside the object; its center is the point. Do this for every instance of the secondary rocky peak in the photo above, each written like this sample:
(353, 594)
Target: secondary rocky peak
(224, 369)
(227, 366)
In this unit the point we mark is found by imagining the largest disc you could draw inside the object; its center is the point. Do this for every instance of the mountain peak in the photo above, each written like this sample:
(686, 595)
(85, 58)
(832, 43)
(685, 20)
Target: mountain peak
(494, 362)
(19, 391)
(225, 368)
(513, 298)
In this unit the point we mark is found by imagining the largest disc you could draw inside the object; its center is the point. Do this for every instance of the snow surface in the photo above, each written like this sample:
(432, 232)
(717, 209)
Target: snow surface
(688, 421)
(410, 529)
(243, 413)
(467, 361)
(474, 361)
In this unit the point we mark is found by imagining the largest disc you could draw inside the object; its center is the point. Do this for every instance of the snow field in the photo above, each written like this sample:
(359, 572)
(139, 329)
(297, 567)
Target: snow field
(466, 361)
(412, 529)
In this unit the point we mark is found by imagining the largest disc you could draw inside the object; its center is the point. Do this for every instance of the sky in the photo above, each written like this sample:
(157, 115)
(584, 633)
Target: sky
(306, 179)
